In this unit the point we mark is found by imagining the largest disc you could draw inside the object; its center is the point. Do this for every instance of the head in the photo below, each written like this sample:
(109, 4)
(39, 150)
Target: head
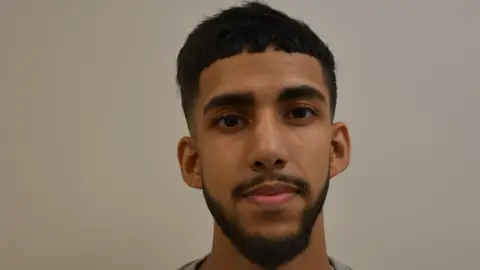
(259, 93)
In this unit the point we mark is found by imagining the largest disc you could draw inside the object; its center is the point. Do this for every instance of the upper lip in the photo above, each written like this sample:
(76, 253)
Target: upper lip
(271, 189)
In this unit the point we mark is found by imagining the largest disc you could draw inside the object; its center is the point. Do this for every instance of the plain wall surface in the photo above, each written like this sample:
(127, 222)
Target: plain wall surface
(90, 118)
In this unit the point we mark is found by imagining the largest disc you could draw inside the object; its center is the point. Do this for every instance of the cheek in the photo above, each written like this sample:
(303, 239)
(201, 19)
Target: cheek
(219, 167)
(311, 152)
(315, 165)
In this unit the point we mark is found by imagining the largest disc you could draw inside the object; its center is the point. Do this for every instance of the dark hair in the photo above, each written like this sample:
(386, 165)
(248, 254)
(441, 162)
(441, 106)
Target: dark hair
(251, 27)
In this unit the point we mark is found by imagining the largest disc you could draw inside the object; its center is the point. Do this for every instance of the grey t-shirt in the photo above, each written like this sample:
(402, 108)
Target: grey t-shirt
(193, 265)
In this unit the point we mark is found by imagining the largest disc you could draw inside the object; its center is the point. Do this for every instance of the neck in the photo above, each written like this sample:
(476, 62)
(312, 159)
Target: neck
(225, 256)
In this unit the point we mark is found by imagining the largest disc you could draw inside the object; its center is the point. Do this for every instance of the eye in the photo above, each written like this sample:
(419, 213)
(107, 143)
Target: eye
(302, 112)
(229, 121)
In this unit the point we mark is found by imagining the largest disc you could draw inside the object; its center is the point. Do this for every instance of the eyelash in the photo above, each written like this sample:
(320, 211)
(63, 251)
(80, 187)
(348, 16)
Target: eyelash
(312, 109)
(217, 119)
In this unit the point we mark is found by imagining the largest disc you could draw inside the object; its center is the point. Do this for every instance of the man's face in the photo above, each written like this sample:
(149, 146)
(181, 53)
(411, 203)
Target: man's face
(264, 146)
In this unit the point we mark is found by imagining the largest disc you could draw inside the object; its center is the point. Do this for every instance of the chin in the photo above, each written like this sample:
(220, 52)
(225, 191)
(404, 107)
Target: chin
(275, 231)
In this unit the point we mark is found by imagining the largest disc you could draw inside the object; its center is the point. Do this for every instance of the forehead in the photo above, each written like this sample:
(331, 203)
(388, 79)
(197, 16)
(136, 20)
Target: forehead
(263, 74)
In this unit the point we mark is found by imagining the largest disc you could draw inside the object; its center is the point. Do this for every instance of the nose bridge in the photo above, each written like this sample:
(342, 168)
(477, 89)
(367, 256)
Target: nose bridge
(267, 148)
(266, 131)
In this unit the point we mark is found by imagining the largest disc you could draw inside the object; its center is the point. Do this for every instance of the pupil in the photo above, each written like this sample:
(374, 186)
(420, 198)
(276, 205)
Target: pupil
(230, 121)
(299, 113)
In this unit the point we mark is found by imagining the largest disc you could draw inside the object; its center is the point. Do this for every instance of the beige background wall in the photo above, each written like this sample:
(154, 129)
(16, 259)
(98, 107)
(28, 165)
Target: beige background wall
(90, 118)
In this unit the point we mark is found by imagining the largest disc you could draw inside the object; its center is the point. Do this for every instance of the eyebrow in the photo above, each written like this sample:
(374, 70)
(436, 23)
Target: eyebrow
(244, 99)
(247, 99)
(301, 92)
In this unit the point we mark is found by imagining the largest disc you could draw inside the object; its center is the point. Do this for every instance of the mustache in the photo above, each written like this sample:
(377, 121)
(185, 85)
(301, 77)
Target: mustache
(301, 184)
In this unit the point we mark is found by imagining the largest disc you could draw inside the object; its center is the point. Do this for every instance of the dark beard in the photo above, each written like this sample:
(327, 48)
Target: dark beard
(266, 252)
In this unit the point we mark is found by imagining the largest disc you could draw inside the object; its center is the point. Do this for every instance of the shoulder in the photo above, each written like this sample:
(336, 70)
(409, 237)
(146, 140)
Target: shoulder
(190, 266)
(338, 265)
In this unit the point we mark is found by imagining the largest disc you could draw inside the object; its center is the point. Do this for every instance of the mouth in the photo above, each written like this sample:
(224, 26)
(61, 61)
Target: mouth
(271, 195)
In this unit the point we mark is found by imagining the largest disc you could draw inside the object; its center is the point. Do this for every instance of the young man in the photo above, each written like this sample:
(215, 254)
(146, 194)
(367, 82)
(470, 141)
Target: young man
(259, 92)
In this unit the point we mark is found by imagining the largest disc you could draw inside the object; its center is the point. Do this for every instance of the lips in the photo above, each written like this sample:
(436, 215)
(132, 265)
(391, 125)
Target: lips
(271, 190)
(271, 195)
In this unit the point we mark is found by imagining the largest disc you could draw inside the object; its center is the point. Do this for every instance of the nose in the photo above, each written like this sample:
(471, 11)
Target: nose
(268, 152)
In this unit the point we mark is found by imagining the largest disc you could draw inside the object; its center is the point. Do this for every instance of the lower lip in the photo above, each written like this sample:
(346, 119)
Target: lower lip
(272, 200)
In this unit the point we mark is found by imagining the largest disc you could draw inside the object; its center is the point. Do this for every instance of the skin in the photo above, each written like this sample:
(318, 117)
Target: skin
(278, 120)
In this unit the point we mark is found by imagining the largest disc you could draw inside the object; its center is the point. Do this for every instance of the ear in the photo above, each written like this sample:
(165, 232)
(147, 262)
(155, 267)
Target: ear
(189, 161)
(340, 149)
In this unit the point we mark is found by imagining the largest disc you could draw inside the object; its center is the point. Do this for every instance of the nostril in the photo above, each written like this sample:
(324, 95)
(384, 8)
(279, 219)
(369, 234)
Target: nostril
(258, 164)
(279, 163)
(267, 165)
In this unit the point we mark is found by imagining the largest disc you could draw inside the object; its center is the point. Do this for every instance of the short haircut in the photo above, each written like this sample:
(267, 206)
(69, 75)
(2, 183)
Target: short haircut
(251, 27)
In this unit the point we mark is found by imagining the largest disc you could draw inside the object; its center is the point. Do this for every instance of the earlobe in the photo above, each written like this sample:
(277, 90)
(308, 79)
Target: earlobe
(340, 149)
(189, 162)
